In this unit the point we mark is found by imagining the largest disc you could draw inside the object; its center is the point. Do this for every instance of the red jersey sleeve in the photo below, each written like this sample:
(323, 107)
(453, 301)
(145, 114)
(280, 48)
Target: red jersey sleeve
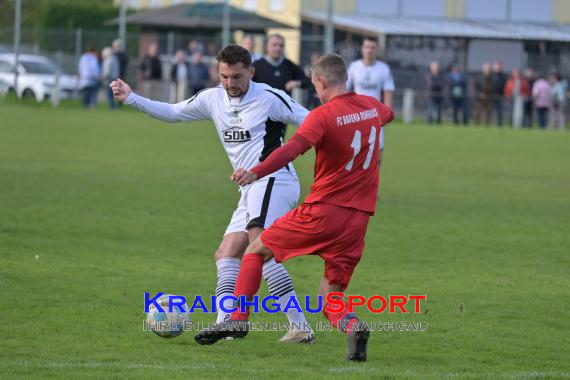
(386, 113)
(313, 128)
(280, 157)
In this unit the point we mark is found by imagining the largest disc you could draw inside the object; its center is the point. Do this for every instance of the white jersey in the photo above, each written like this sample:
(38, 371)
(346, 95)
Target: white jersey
(370, 80)
(250, 127)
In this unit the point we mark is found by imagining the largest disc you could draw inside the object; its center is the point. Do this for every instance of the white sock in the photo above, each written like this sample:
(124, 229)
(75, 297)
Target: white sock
(280, 284)
(228, 269)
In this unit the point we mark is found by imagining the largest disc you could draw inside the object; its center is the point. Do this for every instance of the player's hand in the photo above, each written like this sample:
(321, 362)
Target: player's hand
(243, 177)
(121, 89)
(289, 86)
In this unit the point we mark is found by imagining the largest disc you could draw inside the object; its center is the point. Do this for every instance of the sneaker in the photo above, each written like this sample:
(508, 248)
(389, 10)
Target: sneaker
(298, 336)
(358, 343)
(233, 329)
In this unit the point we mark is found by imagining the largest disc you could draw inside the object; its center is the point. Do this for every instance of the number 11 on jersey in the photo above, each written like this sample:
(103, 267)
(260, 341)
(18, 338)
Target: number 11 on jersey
(356, 146)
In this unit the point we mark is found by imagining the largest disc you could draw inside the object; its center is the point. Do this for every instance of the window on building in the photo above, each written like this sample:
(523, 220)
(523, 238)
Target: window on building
(531, 10)
(277, 5)
(422, 8)
(486, 9)
(377, 7)
(250, 5)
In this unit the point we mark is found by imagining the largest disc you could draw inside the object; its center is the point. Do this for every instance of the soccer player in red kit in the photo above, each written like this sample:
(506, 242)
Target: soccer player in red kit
(333, 219)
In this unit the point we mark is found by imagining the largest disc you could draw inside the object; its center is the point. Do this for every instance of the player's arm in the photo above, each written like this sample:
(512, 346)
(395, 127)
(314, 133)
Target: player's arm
(350, 80)
(309, 134)
(386, 114)
(188, 110)
(389, 88)
(278, 159)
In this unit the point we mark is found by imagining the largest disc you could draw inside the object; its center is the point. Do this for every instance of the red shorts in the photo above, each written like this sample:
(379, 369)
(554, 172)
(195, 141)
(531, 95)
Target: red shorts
(334, 233)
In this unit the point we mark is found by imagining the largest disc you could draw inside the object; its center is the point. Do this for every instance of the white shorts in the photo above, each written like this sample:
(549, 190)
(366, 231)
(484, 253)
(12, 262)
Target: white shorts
(381, 145)
(262, 202)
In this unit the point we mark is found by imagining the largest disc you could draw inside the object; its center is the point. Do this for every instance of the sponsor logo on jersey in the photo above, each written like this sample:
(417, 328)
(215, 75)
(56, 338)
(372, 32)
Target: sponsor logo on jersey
(236, 135)
(368, 86)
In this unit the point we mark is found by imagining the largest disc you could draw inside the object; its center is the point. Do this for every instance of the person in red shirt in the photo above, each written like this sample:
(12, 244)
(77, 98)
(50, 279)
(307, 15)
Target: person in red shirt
(333, 219)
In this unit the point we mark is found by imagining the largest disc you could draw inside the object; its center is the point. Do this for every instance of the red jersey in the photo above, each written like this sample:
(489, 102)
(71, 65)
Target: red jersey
(346, 135)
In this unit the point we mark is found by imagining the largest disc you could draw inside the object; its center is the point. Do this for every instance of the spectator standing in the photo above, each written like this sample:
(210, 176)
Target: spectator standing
(151, 68)
(516, 90)
(109, 73)
(199, 74)
(559, 90)
(194, 46)
(121, 56)
(484, 94)
(312, 99)
(458, 92)
(180, 74)
(542, 97)
(151, 72)
(372, 77)
(528, 105)
(248, 43)
(498, 80)
(435, 85)
(89, 77)
(276, 70)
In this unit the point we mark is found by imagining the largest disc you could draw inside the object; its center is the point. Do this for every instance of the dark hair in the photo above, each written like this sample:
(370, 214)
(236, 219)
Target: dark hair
(332, 67)
(370, 38)
(233, 54)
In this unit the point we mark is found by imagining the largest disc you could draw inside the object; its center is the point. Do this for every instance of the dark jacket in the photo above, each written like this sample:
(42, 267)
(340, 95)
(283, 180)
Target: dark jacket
(151, 68)
(278, 76)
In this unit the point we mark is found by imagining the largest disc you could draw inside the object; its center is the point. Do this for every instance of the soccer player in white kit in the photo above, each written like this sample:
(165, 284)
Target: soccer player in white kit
(250, 119)
(372, 77)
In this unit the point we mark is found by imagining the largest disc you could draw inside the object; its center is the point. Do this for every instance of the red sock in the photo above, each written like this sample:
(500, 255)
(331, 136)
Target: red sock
(248, 281)
(342, 320)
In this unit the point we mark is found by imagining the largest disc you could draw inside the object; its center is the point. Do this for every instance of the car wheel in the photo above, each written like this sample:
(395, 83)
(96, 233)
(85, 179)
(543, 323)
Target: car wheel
(28, 94)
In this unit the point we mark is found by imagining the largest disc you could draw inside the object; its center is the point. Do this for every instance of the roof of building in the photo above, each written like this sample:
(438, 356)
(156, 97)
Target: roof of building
(200, 16)
(444, 27)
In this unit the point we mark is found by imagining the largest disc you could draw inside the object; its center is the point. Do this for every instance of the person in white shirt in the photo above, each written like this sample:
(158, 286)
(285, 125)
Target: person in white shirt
(372, 77)
(89, 77)
(250, 119)
(109, 72)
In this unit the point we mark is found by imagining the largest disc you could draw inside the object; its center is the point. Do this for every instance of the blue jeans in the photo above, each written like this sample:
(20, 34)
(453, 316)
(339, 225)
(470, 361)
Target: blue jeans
(460, 105)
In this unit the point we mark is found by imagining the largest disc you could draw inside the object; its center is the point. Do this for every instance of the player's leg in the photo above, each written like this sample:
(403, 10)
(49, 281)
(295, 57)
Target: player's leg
(280, 284)
(228, 260)
(341, 259)
(247, 285)
(266, 201)
(346, 322)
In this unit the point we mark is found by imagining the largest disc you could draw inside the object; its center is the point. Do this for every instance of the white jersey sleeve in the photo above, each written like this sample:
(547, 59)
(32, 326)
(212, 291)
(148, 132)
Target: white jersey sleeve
(389, 84)
(195, 108)
(350, 80)
(285, 109)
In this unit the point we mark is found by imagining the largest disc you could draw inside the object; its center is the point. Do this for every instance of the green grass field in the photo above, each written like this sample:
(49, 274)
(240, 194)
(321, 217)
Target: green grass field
(98, 207)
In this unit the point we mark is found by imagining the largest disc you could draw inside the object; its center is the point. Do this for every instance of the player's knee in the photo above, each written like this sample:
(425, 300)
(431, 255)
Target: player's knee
(224, 253)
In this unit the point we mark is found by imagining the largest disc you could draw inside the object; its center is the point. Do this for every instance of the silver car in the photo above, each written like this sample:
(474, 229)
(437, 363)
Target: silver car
(37, 77)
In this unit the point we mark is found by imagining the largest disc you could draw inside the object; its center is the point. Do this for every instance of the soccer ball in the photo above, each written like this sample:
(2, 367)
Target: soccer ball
(166, 324)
